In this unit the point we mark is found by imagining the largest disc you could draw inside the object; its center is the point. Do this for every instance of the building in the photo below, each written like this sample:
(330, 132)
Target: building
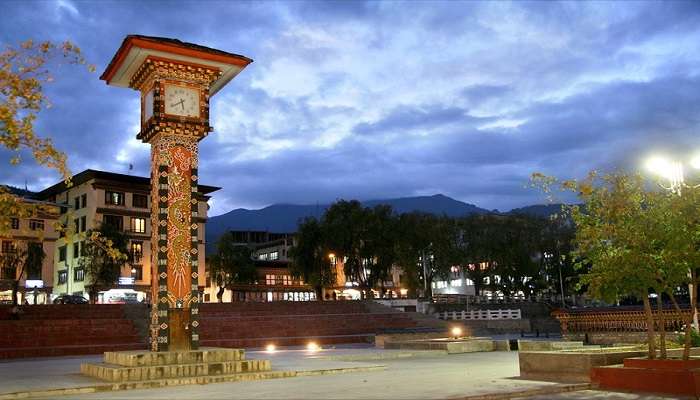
(36, 286)
(270, 252)
(123, 201)
(276, 283)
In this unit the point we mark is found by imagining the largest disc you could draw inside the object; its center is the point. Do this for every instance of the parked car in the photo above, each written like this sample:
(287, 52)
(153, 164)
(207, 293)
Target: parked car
(70, 299)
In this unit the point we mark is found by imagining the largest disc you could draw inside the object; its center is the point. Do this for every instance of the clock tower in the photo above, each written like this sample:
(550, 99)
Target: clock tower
(176, 81)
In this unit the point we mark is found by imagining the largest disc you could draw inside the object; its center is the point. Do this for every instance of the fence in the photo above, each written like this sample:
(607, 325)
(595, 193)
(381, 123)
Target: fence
(495, 299)
(618, 321)
(480, 315)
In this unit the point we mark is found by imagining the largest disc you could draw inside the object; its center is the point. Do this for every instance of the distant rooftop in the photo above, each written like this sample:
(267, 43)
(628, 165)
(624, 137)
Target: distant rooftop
(90, 174)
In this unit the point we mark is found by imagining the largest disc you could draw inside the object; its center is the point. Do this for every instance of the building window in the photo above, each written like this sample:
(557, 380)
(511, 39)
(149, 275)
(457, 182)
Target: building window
(15, 223)
(76, 222)
(8, 246)
(269, 279)
(62, 254)
(82, 248)
(77, 203)
(36, 224)
(115, 221)
(83, 201)
(286, 280)
(136, 252)
(139, 200)
(114, 198)
(137, 273)
(138, 225)
(79, 275)
(62, 277)
(274, 255)
(8, 273)
(76, 249)
(83, 224)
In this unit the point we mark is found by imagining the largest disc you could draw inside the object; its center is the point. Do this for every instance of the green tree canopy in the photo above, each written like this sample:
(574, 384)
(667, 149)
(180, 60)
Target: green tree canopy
(232, 263)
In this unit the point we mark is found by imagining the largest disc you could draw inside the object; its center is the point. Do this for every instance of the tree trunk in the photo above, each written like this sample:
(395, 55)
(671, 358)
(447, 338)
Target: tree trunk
(662, 326)
(650, 326)
(15, 290)
(220, 294)
(688, 327)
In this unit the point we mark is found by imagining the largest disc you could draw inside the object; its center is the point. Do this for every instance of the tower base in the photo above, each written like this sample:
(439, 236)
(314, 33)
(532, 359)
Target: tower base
(134, 366)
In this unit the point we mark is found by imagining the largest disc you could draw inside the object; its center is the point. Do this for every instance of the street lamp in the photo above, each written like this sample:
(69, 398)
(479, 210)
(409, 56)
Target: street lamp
(673, 172)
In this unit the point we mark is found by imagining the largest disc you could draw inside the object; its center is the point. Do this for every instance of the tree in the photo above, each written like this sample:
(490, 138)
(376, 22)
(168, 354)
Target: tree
(23, 72)
(26, 258)
(426, 247)
(478, 248)
(310, 257)
(232, 263)
(344, 226)
(105, 253)
(631, 239)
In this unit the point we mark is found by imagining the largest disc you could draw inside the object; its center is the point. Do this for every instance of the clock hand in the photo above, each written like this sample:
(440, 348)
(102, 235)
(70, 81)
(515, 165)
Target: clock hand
(181, 102)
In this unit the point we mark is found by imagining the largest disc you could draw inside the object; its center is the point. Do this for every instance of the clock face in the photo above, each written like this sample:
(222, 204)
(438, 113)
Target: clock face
(182, 101)
(148, 105)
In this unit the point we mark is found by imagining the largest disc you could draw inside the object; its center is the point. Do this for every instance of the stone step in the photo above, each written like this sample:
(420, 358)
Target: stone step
(118, 373)
(148, 358)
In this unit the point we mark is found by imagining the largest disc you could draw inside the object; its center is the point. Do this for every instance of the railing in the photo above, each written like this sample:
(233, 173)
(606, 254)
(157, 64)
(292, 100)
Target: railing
(496, 299)
(480, 315)
(618, 321)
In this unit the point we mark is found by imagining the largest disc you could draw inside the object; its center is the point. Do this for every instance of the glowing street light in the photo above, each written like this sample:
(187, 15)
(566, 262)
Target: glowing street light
(456, 332)
(672, 171)
(270, 348)
(312, 347)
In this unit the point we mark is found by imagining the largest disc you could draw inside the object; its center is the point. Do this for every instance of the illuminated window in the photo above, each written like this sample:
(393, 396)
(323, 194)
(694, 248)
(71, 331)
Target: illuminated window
(79, 275)
(136, 252)
(114, 198)
(62, 277)
(138, 225)
(274, 256)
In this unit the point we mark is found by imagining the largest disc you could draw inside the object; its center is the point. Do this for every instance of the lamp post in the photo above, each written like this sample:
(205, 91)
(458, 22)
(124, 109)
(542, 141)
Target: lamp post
(673, 172)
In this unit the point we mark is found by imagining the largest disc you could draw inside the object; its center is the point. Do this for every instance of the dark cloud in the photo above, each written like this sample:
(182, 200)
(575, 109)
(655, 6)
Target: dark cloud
(371, 100)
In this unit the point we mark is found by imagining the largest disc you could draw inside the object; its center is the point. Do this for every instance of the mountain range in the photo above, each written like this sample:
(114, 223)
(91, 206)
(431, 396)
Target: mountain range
(284, 218)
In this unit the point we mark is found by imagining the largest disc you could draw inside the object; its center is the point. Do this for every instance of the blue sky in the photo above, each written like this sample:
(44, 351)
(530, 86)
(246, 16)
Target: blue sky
(387, 99)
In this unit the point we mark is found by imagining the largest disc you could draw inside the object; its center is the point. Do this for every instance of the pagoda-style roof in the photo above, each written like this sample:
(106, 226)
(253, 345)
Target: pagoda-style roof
(135, 49)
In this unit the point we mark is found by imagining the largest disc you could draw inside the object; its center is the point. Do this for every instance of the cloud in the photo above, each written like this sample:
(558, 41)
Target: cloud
(381, 99)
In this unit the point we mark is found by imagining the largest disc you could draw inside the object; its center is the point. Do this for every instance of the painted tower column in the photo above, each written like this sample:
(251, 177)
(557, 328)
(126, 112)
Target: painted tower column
(176, 81)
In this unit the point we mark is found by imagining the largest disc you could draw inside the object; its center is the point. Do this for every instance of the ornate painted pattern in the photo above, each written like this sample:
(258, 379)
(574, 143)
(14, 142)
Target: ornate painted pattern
(179, 195)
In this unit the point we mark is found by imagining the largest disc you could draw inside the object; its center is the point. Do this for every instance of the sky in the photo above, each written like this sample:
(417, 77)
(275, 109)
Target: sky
(373, 100)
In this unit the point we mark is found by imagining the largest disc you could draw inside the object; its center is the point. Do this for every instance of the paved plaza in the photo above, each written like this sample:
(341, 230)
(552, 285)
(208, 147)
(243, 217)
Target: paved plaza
(358, 372)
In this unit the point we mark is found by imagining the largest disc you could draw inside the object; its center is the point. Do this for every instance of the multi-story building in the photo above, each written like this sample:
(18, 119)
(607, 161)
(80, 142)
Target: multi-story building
(275, 281)
(270, 252)
(122, 201)
(35, 286)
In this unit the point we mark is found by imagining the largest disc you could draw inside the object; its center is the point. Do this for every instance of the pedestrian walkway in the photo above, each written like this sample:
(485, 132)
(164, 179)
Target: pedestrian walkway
(436, 376)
